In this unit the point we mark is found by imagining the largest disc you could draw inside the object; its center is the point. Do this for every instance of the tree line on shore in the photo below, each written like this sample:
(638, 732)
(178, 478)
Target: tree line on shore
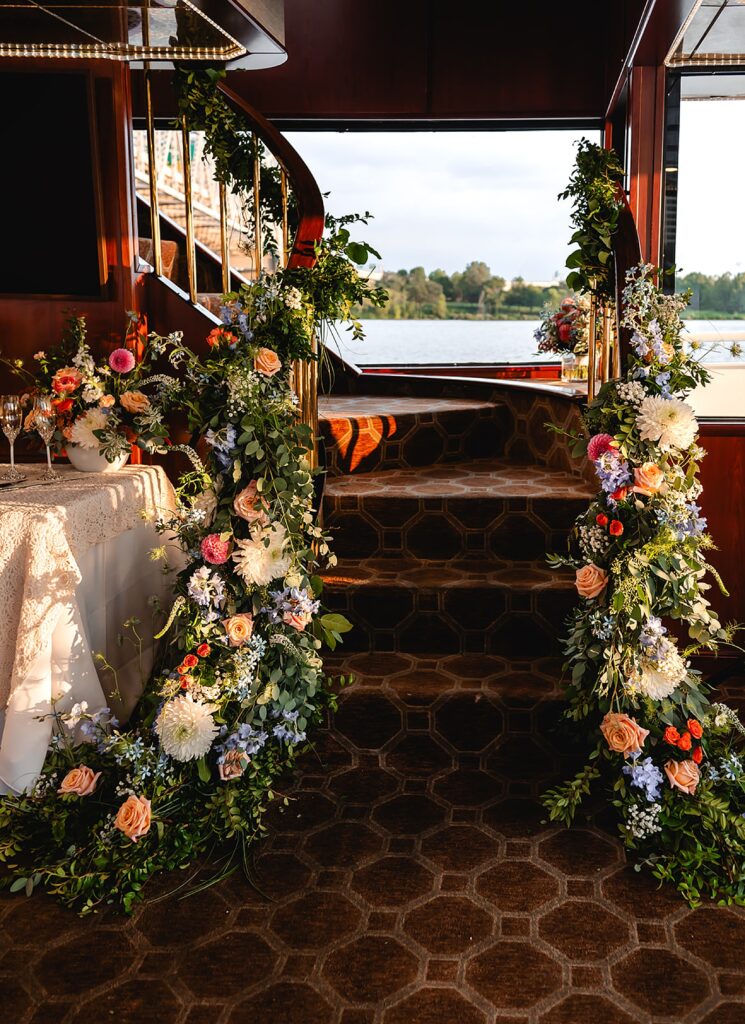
(475, 293)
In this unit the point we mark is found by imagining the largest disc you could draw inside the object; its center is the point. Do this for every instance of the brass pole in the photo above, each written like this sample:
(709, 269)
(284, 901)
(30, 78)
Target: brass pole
(591, 353)
(258, 247)
(191, 257)
(616, 346)
(152, 170)
(224, 244)
(606, 368)
(285, 225)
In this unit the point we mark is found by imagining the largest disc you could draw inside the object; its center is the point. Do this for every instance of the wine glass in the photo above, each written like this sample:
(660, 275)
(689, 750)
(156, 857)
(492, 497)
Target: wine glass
(11, 420)
(45, 423)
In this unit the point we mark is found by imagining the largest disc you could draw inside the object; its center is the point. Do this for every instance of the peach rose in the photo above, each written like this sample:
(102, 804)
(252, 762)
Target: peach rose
(591, 580)
(244, 505)
(683, 775)
(233, 766)
(298, 620)
(80, 781)
(134, 401)
(622, 734)
(133, 817)
(648, 479)
(267, 362)
(106, 402)
(66, 380)
(239, 628)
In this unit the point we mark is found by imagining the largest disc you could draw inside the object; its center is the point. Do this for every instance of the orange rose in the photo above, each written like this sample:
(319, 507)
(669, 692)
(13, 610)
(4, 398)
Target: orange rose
(66, 380)
(80, 781)
(648, 479)
(695, 728)
(233, 766)
(239, 628)
(244, 505)
(106, 402)
(62, 405)
(190, 661)
(591, 580)
(683, 775)
(267, 362)
(134, 401)
(298, 620)
(133, 817)
(622, 734)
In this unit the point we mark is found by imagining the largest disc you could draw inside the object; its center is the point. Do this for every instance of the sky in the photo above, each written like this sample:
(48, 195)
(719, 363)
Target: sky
(442, 199)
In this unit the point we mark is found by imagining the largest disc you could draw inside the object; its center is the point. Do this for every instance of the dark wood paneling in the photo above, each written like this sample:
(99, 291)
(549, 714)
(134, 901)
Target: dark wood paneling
(723, 501)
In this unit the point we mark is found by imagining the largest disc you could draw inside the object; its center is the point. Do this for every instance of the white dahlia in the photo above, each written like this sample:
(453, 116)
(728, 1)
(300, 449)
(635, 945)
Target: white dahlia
(262, 558)
(660, 675)
(186, 728)
(668, 422)
(81, 432)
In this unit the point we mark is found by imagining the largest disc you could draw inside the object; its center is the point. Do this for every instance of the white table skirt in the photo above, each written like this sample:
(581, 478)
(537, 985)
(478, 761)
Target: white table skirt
(97, 574)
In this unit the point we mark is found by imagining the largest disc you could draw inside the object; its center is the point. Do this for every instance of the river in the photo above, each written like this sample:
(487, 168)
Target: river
(392, 342)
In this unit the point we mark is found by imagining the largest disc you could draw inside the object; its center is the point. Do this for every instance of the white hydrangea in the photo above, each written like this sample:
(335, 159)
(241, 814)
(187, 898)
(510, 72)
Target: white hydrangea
(667, 422)
(261, 559)
(186, 728)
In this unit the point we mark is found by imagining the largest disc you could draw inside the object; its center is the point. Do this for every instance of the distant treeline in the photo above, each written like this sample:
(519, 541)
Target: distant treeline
(475, 293)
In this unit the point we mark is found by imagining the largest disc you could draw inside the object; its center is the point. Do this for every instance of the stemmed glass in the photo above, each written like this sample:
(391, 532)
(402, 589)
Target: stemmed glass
(45, 423)
(11, 420)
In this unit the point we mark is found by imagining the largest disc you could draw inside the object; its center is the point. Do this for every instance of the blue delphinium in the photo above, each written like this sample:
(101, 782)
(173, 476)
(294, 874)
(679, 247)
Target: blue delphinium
(645, 775)
(613, 471)
(223, 443)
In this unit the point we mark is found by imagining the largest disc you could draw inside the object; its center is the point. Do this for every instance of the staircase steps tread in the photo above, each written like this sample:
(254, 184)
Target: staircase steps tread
(442, 574)
(482, 478)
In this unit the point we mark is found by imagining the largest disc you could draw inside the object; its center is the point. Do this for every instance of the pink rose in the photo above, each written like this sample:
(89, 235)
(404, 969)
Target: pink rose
(298, 620)
(214, 549)
(245, 505)
(80, 781)
(591, 580)
(683, 775)
(66, 380)
(622, 734)
(134, 401)
(233, 765)
(598, 445)
(267, 362)
(121, 360)
(133, 817)
(239, 628)
(648, 479)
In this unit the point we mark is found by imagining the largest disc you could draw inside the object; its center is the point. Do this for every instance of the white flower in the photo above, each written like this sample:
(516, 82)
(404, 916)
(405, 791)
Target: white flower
(92, 393)
(186, 728)
(81, 432)
(262, 558)
(660, 675)
(668, 422)
(76, 714)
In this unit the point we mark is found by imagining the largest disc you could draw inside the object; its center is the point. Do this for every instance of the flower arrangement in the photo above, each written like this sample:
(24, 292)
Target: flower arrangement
(241, 683)
(671, 759)
(565, 329)
(103, 404)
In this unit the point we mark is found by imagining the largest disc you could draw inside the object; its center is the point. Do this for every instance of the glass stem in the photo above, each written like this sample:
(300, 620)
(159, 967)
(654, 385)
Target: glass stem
(49, 460)
(12, 458)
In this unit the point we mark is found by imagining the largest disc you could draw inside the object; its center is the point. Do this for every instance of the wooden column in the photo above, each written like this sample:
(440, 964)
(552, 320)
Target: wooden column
(646, 126)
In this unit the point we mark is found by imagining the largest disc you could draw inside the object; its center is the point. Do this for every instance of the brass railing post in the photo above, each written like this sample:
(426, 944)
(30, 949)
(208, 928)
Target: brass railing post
(224, 239)
(258, 244)
(591, 348)
(606, 367)
(191, 257)
(285, 225)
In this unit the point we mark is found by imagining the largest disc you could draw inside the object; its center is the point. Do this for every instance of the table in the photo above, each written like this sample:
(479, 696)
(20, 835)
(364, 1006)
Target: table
(74, 567)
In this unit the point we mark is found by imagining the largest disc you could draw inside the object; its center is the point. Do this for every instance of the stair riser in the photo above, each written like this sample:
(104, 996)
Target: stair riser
(508, 623)
(520, 529)
(411, 441)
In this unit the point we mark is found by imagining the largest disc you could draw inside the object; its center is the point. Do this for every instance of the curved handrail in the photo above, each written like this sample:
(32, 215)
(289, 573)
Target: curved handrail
(311, 215)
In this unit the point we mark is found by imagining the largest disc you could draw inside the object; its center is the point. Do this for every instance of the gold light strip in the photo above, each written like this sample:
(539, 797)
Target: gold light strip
(224, 240)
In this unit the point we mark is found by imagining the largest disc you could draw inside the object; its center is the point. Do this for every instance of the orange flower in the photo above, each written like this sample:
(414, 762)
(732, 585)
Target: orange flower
(683, 775)
(133, 817)
(62, 405)
(234, 765)
(671, 735)
(267, 362)
(698, 755)
(203, 650)
(622, 734)
(601, 519)
(190, 661)
(695, 728)
(134, 401)
(616, 528)
(591, 580)
(239, 628)
(648, 479)
(80, 781)
(66, 380)
(684, 743)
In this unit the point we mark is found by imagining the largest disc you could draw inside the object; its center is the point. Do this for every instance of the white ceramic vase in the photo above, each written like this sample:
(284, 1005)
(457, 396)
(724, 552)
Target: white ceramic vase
(89, 460)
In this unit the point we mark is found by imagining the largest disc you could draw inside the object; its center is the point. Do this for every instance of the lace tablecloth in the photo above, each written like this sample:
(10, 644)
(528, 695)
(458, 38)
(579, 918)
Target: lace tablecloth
(73, 567)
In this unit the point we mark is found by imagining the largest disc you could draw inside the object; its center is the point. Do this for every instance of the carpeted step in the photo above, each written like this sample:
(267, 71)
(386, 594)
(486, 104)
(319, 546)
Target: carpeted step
(491, 508)
(459, 605)
(364, 434)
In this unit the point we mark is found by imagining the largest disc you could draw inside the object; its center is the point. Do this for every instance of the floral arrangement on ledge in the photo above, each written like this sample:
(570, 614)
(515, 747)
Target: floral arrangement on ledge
(242, 682)
(102, 405)
(565, 329)
(671, 760)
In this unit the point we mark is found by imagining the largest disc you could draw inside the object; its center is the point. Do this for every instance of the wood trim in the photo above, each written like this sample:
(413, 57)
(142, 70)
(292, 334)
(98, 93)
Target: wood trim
(647, 117)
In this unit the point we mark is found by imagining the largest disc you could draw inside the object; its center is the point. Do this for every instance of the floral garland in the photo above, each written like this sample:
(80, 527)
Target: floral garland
(671, 758)
(242, 683)
(565, 329)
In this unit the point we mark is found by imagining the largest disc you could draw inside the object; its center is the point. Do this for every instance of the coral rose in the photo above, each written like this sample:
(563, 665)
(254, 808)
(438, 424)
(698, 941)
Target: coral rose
(66, 380)
(267, 362)
(648, 479)
(601, 519)
(245, 505)
(134, 401)
(622, 734)
(298, 620)
(684, 743)
(698, 755)
(671, 735)
(106, 402)
(695, 728)
(190, 661)
(133, 817)
(683, 775)
(591, 580)
(203, 650)
(616, 528)
(62, 405)
(80, 781)
(233, 765)
(239, 628)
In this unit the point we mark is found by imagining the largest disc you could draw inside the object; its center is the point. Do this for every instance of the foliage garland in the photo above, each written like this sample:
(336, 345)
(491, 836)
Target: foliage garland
(671, 760)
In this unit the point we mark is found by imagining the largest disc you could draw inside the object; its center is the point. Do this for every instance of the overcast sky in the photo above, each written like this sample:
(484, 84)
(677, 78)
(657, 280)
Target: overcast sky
(441, 199)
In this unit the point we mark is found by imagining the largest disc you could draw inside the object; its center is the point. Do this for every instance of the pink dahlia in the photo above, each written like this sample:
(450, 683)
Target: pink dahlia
(599, 445)
(214, 549)
(121, 360)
